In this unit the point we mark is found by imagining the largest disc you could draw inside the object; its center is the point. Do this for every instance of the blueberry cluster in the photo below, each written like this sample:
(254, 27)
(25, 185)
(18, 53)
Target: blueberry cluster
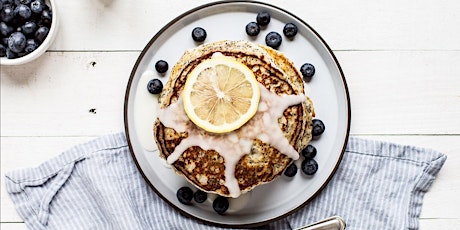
(272, 39)
(24, 25)
(155, 86)
(185, 195)
(309, 165)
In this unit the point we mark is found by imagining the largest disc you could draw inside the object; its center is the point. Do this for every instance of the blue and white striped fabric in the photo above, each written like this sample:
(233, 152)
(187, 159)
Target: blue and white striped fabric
(96, 185)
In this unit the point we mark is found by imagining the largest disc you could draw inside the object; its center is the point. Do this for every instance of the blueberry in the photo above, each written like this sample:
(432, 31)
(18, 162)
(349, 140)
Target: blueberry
(2, 50)
(5, 30)
(199, 34)
(200, 196)
(318, 127)
(161, 66)
(220, 205)
(7, 13)
(1, 5)
(41, 34)
(290, 30)
(31, 45)
(37, 6)
(29, 28)
(155, 86)
(185, 195)
(24, 2)
(23, 12)
(46, 17)
(252, 29)
(309, 152)
(309, 166)
(7, 2)
(263, 18)
(291, 170)
(17, 42)
(273, 39)
(307, 70)
(10, 54)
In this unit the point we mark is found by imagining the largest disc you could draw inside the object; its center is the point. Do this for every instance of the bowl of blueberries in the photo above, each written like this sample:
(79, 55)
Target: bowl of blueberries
(27, 29)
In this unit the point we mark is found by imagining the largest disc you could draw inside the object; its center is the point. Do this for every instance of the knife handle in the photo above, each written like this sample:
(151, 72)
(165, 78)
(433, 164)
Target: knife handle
(330, 223)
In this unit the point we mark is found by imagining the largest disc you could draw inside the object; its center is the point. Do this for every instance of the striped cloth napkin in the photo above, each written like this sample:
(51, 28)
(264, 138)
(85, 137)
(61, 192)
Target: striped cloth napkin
(96, 185)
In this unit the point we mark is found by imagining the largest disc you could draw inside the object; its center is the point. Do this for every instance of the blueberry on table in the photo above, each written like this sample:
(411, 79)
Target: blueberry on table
(291, 170)
(309, 152)
(17, 42)
(23, 12)
(318, 127)
(309, 166)
(290, 30)
(200, 196)
(161, 66)
(199, 34)
(252, 29)
(185, 195)
(273, 39)
(220, 205)
(263, 18)
(155, 86)
(307, 70)
(41, 33)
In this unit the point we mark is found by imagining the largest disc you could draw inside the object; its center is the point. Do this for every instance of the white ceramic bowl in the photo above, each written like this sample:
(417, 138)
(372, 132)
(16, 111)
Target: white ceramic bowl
(43, 47)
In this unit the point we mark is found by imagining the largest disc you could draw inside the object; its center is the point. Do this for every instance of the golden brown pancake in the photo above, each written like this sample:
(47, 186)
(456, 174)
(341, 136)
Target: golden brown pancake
(205, 168)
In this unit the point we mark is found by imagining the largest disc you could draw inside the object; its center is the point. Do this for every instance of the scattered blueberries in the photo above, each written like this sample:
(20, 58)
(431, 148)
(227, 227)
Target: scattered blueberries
(155, 86)
(220, 205)
(318, 127)
(309, 152)
(291, 170)
(309, 166)
(185, 195)
(199, 34)
(200, 196)
(263, 18)
(273, 39)
(252, 29)
(161, 66)
(307, 70)
(24, 25)
(290, 30)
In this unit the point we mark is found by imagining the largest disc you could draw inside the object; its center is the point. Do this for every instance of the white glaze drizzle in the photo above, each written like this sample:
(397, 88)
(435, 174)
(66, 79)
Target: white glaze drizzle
(234, 145)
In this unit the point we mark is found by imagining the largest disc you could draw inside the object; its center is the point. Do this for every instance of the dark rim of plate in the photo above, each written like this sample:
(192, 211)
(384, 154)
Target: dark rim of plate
(133, 72)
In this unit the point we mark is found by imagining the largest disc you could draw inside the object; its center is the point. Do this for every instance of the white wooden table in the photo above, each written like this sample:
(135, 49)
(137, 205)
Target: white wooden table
(401, 60)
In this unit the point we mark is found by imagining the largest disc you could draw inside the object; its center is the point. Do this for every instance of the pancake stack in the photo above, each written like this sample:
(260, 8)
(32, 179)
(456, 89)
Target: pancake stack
(263, 163)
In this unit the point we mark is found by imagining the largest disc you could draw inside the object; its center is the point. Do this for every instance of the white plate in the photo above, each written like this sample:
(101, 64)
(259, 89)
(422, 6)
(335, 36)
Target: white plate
(328, 90)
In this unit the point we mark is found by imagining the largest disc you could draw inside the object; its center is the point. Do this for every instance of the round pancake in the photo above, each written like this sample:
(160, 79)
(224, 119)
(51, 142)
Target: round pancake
(205, 168)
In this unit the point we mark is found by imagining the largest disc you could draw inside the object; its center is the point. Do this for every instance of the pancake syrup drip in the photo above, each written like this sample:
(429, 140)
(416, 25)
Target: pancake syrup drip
(234, 145)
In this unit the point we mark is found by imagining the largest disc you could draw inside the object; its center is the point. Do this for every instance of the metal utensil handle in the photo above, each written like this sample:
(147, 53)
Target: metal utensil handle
(331, 223)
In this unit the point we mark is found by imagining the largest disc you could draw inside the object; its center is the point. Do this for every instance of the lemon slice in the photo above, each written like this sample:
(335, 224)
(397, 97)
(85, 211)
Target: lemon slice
(221, 94)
